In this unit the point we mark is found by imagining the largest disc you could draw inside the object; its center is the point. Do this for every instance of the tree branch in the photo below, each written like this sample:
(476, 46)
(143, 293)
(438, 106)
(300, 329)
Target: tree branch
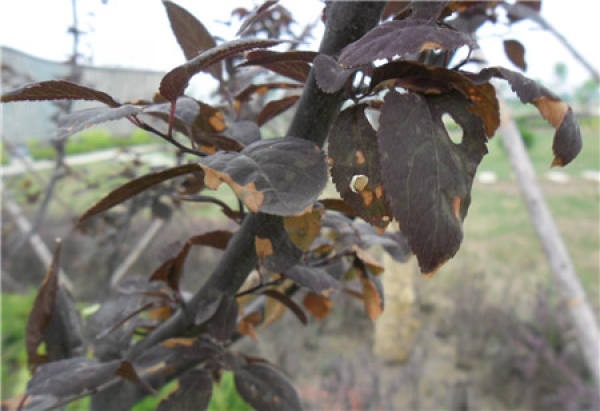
(346, 22)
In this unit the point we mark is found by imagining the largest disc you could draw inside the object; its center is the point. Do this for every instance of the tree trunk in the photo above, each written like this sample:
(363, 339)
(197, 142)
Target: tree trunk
(560, 263)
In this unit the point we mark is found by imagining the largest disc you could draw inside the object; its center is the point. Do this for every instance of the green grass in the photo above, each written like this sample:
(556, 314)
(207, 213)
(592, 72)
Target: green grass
(15, 311)
(89, 141)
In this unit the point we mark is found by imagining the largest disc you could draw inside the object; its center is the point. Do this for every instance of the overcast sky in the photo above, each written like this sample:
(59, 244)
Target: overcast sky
(136, 33)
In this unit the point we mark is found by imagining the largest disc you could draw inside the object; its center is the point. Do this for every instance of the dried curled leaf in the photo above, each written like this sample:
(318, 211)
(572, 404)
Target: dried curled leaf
(281, 176)
(567, 139)
(427, 177)
(318, 305)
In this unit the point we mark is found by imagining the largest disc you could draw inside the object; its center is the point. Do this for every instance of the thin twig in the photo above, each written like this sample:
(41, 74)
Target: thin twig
(166, 137)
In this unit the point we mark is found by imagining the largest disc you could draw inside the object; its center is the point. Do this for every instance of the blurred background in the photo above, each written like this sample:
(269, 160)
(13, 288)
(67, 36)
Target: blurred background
(487, 332)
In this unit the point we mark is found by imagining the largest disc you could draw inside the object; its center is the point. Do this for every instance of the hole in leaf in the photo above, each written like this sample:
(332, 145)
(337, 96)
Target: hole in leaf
(455, 131)
(358, 183)
(372, 116)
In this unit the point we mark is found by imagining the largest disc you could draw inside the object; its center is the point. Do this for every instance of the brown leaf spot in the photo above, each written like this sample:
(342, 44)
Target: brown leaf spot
(246, 325)
(456, 200)
(379, 194)
(178, 342)
(252, 198)
(360, 157)
(264, 247)
(161, 366)
(217, 121)
(552, 110)
(367, 197)
(557, 162)
(429, 45)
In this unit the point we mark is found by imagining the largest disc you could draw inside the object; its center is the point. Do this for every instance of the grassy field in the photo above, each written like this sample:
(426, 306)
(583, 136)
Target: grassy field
(499, 244)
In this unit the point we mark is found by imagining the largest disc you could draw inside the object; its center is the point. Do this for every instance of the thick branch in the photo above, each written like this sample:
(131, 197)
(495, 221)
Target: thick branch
(346, 22)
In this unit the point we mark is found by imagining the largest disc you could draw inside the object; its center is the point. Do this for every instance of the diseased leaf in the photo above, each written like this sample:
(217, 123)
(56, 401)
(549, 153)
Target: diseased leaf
(402, 38)
(57, 90)
(72, 123)
(281, 176)
(42, 311)
(353, 152)
(516, 53)
(191, 34)
(274, 108)
(330, 76)
(287, 302)
(318, 305)
(193, 392)
(171, 270)
(255, 15)
(304, 229)
(372, 295)
(266, 388)
(314, 278)
(136, 186)
(275, 249)
(567, 139)
(246, 324)
(438, 80)
(427, 177)
(175, 81)
(217, 239)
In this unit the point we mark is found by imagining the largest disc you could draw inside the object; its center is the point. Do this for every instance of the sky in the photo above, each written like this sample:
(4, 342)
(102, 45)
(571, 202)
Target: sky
(136, 33)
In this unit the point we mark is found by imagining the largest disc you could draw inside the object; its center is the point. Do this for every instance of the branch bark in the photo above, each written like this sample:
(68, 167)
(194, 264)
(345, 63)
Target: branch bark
(560, 263)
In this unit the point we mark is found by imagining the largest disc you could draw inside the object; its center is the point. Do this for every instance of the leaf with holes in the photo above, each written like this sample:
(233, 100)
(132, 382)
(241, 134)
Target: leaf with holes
(137, 186)
(567, 139)
(427, 177)
(281, 176)
(402, 38)
(42, 311)
(516, 53)
(318, 305)
(274, 108)
(57, 90)
(438, 80)
(353, 152)
(193, 392)
(266, 388)
(74, 122)
(191, 34)
(175, 81)
(314, 278)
